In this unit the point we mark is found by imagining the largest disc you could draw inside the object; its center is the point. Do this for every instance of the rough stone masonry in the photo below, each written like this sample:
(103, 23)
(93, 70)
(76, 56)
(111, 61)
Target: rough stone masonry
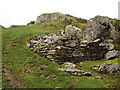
(75, 45)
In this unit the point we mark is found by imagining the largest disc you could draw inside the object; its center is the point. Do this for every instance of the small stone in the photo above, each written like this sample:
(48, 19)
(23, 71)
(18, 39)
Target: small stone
(97, 40)
(49, 57)
(52, 52)
(97, 77)
(81, 62)
(87, 74)
(58, 47)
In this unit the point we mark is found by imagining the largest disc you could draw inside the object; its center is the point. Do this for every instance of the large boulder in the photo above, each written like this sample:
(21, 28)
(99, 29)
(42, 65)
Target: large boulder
(73, 32)
(97, 27)
(101, 27)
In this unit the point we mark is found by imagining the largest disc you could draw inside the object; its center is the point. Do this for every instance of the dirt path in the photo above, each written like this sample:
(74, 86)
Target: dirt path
(13, 82)
(8, 75)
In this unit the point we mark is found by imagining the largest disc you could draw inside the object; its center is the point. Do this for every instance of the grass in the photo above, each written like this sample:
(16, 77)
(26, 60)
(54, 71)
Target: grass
(80, 25)
(0, 58)
(15, 26)
(35, 71)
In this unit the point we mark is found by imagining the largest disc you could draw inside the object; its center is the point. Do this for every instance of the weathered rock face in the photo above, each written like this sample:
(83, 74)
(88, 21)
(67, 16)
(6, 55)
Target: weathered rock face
(112, 69)
(116, 36)
(54, 16)
(75, 45)
(101, 27)
(73, 33)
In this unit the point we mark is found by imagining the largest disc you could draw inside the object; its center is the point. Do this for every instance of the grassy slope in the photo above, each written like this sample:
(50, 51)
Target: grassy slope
(80, 25)
(0, 58)
(37, 72)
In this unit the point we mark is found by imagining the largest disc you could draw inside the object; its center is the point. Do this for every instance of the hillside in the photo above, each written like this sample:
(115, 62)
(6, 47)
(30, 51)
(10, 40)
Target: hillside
(25, 69)
(1, 27)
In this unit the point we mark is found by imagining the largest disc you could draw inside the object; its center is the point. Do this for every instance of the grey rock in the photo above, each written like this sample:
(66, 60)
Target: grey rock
(112, 54)
(115, 35)
(73, 32)
(70, 67)
(50, 57)
(112, 69)
(97, 77)
(52, 52)
(97, 40)
(87, 74)
(108, 46)
(98, 27)
(70, 43)
(108, 41)
(54, 16)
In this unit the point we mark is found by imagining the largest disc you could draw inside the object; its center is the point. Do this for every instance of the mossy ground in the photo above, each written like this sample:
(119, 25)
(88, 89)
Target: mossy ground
(80, 25)
(35, 71)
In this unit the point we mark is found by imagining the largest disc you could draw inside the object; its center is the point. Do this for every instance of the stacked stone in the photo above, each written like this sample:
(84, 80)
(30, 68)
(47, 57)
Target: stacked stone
(75, 45)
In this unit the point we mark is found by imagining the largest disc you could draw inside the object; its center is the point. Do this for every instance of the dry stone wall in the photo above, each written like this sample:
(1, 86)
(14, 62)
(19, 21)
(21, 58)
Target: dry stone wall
(75, 45)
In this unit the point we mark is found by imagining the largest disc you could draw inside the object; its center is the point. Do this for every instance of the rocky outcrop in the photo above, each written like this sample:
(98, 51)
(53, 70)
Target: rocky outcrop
(75, 45)
(101, 27)
(30, 23)
(112, 69)
(116, 36)
(66, 19)
(70, 67)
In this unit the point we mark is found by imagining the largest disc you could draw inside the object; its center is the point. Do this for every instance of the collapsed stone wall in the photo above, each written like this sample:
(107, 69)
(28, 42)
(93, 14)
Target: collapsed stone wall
(75, 45)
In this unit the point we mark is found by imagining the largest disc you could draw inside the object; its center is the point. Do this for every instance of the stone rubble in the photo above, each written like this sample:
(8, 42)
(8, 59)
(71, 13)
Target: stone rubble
(71, 44)
(75, 45)
(70, 67)
(112, 69)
